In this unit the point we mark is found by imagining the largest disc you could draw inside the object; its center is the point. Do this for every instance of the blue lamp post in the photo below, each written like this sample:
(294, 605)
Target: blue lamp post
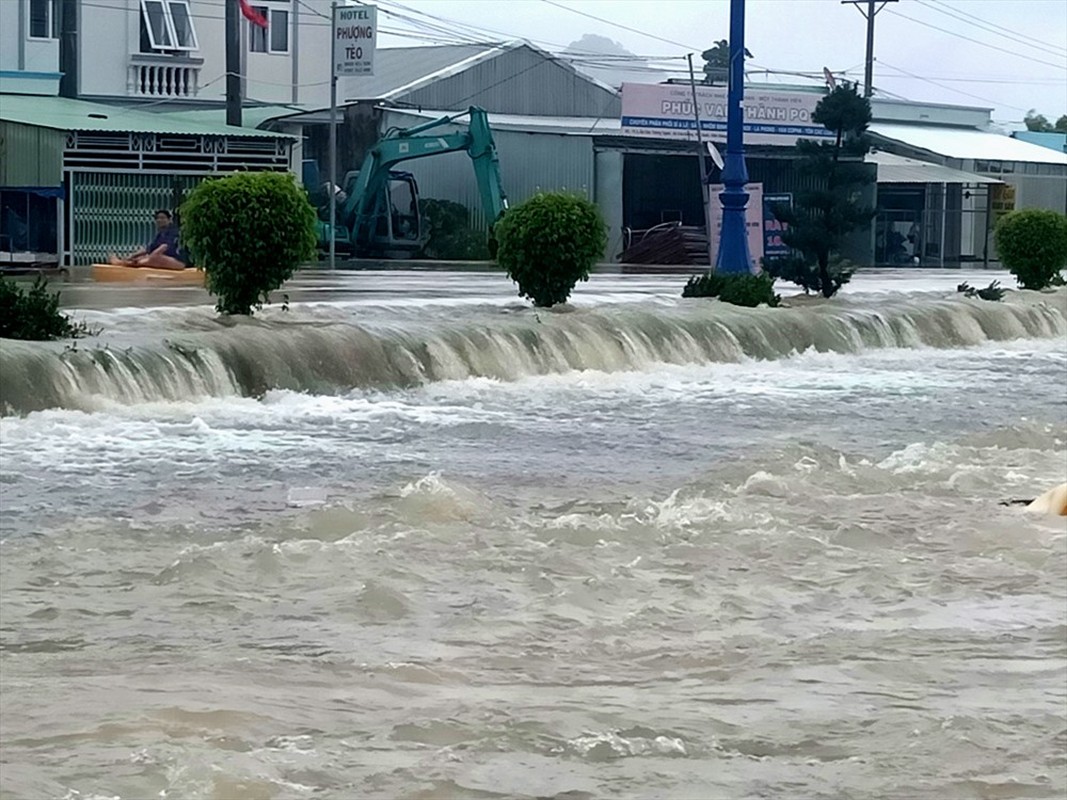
(734, 256)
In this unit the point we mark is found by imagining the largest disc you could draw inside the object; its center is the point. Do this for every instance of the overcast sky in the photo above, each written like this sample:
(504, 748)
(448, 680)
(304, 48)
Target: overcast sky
(1009, 55)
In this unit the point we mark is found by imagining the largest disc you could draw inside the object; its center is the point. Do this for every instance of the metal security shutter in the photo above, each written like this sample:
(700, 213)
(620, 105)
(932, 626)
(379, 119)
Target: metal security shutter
(112, 211)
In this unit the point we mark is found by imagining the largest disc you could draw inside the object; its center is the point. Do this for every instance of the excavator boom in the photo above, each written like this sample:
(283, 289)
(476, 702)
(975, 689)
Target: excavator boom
(361, 208)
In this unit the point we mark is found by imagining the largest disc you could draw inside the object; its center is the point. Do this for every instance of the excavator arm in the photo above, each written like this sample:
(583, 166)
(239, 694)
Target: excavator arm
(408, 144)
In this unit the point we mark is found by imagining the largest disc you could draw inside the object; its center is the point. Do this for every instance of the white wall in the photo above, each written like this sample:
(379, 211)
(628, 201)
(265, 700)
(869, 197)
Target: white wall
(108, 32)
(17, 50)
(9, 36)
(270, 76)
(1039, 191)
(886, 110)
(314, 54)
(110, 37)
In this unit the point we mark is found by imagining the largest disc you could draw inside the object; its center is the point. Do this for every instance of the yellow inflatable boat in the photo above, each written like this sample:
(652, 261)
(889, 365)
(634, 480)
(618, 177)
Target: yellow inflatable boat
(1054, 502)
(113, 273)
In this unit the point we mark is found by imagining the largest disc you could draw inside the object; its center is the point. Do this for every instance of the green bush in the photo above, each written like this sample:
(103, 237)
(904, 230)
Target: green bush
(991, 292)
(548, 244)
(1032, 244)
(33, 313)
(740, 290)
(808, 276)
(248, 232)
(450, 236)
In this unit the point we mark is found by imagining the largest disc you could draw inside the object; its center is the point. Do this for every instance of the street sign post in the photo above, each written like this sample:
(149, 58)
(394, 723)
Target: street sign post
(354, 38)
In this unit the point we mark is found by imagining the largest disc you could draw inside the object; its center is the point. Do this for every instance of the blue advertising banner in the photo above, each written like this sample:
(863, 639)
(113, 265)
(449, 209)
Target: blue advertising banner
(772, 229)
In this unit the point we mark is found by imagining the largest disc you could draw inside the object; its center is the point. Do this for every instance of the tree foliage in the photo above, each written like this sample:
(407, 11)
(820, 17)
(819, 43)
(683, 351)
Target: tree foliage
(1039, 123)
(717, 62)
(450, 235)
(549, 243)
(738, 289)
(1032, 244)
(33, 313)
(248, 232)
(822, 218)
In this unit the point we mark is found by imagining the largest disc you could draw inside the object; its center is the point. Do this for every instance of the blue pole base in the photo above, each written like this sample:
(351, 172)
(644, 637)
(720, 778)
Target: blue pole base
(734, 257)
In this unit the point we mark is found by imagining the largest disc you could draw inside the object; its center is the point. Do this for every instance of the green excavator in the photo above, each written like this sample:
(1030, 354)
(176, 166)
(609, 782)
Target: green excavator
(378, 210)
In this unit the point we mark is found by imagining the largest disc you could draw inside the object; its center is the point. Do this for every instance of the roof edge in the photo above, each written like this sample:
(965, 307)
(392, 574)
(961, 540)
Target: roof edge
(102, 114)
(491, 50)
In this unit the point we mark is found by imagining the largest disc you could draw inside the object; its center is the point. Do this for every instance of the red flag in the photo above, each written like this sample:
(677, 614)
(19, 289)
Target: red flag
(252, 15)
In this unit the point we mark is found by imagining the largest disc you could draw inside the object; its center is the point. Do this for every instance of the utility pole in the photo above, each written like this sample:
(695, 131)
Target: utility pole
(233, 65)
(870, 13)
(706, 192)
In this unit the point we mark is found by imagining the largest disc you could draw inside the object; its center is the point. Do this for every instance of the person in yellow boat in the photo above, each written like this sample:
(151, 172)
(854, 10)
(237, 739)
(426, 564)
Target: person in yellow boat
(162, 252)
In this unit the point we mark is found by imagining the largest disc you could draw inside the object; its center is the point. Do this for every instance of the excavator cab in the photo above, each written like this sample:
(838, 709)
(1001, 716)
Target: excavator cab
(396, 229)
(399, 227)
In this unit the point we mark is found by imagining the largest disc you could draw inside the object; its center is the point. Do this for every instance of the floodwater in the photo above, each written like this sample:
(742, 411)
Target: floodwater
(411, 539)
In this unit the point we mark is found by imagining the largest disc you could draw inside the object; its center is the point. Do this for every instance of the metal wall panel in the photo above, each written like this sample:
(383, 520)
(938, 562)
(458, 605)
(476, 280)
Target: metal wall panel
(529, 163)
(30, 156)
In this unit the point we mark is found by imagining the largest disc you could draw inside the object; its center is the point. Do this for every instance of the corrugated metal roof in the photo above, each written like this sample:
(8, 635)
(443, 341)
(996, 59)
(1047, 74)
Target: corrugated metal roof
(250, 117)
(65, 114)
(398, 70)
(898, 169)
(968, 143)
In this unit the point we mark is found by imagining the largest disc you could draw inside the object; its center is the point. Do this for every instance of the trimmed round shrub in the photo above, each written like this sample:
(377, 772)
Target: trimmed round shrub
(740, 290)
(248, 232)
(548, 244)
(1032, 244)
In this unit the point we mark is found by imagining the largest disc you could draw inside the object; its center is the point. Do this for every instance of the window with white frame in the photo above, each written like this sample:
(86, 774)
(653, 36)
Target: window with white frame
(167, 25)
(273, 39)
(44, 19)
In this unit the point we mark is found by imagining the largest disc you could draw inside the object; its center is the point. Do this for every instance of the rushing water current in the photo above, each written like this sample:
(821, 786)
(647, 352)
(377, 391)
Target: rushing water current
(411, 539)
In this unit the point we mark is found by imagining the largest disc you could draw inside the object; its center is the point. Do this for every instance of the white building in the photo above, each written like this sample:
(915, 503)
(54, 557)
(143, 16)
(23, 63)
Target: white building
(164, 52)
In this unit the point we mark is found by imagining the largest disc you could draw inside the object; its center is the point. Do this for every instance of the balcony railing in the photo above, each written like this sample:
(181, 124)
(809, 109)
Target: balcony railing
(163, 76)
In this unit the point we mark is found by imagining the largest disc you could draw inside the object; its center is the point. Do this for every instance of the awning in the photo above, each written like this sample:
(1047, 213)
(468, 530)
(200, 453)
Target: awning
(967, 143)
(65, 114)
(898, 169)
(40, 191)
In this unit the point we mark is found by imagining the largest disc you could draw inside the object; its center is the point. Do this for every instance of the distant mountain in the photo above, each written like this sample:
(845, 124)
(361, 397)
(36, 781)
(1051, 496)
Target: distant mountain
(609, 62)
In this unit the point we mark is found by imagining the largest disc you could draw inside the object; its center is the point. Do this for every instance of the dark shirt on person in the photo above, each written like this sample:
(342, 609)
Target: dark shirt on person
(169, 237)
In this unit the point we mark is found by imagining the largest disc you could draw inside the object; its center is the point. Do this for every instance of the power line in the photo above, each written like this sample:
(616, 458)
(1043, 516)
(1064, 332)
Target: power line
(452, 32)
(991, 81)
(975, 41)
(951, 89)
(992, 27)
(512, 36)
(314, 11)
(619, 25)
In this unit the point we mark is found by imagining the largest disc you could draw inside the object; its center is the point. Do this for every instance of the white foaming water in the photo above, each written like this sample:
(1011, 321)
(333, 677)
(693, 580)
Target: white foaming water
(322, 349)
(656, 574)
